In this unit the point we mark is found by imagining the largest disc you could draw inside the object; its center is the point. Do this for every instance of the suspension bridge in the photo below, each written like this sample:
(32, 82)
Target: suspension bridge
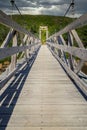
(45, 89)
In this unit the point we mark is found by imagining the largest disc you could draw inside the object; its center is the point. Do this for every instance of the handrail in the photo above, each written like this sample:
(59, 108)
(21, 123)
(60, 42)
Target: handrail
(70, 55)
(82, 86)
(7, 21)
(8, 76)
(28, 47)
(72, 35)
(6, 52)
(81, 21)
(75, 51)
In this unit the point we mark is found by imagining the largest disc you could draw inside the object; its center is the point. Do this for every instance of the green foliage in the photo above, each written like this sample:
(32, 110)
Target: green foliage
(82, 32)
(43, 38)
(5, 59)
(3, 32)
(33, 22)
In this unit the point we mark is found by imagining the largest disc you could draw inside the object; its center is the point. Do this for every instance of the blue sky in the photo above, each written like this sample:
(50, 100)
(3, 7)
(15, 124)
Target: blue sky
(45, 7)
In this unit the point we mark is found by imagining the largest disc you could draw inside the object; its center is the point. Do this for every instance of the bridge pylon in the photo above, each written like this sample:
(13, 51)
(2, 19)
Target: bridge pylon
(41, 28)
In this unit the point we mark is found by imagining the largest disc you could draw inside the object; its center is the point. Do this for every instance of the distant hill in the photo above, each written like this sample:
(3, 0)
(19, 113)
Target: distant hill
(32, 23)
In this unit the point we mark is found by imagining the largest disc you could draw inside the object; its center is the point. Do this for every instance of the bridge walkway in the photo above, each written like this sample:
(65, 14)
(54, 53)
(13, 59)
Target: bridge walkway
(43, 98)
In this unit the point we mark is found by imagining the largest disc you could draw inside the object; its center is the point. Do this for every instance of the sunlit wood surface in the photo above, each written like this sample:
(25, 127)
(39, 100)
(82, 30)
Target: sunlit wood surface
(48, 100)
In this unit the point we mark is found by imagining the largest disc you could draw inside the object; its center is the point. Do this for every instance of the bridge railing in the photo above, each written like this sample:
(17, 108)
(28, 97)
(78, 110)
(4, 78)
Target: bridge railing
(71, 53)
(28, 46)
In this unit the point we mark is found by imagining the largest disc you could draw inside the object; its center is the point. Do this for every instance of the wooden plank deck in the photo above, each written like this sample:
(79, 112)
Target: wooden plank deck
(42, 99)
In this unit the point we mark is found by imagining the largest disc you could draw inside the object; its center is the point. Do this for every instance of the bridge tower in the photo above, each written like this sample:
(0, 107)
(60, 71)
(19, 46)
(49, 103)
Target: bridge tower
(41, 29)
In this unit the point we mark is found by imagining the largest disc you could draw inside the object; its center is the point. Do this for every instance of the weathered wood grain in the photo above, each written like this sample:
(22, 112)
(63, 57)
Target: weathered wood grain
(75, 51)
(8, 51)
(75, 77)
(48, 99)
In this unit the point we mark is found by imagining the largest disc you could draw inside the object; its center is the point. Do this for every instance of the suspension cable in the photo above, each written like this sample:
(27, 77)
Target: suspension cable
(13, 4)
(70, 6)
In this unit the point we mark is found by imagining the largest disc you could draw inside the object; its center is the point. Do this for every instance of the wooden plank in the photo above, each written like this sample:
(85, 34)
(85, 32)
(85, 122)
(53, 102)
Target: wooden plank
(80, 44)
(13, 72)
(70, 43)
(6, 52)
(8, 38)
(14, 57)
(45, 128)
(78, 40)
(75, 77)
(62, 39)
(75, 51)
(46, 100)
(10, 75)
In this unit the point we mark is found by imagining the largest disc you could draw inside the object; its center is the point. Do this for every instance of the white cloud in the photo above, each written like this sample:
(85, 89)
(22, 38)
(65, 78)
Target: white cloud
(46, 7)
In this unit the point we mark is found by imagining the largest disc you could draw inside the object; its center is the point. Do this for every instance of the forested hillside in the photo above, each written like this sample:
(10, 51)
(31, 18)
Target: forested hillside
(32, 23)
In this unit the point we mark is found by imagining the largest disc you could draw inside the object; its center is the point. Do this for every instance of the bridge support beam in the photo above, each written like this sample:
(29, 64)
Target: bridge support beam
(14, 57)
(80, 44)
(70, 43)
